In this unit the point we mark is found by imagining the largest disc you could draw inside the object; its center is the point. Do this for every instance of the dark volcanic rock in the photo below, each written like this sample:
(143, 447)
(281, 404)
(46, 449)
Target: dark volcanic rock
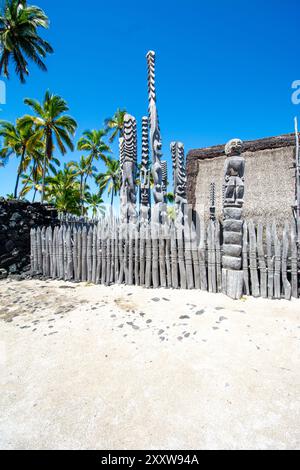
(16, 220)
(3, 273)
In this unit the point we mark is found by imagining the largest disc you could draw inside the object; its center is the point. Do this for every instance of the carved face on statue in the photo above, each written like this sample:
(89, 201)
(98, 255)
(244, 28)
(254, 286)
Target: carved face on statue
(145, 178)
(234, 147)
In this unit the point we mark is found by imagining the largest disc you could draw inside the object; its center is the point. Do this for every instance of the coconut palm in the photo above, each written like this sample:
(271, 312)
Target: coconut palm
(83, 169)
(63, 191)
(19, 140)
(95, 203)
(31, 182)
(115, 124)
(19, 39)
(110, 180)
(53, 126)
(92, 142)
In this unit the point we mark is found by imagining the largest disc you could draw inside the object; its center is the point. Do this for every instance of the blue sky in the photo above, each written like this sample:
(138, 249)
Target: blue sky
(224, 68)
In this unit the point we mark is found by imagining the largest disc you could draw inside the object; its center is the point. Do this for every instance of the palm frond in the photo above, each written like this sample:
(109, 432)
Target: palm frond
(19, 38)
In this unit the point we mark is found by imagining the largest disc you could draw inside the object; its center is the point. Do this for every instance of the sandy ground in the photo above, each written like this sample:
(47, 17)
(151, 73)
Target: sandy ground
(94, 367)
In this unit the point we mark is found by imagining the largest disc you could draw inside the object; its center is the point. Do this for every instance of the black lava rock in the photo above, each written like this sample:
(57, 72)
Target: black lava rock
(16, 220)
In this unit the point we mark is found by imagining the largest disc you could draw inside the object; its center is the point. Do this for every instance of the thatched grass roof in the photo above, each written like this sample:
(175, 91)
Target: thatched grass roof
(285, 140)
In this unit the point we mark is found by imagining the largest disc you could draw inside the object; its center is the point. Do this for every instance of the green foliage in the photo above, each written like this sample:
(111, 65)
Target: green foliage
(83, 169)
(170, 197)
(21, 141)
(19, 39)
(115, 124)
(63, 191)
(110, 180)
(92, 142)
(171, 211)
(95, 203)
(52, 126)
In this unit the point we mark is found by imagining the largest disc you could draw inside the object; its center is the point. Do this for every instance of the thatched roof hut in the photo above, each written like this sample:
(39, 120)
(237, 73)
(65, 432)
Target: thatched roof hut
(269, 178)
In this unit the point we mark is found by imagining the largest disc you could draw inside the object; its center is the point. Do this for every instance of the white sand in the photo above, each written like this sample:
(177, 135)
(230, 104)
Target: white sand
(94, 367)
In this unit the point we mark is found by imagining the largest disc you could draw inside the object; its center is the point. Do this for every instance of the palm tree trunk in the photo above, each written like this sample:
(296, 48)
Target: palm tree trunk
(112, 198)
(43, 177)
(47, 155)
(34, 194)
(34, 179)
(81, 194)
(19, 172)
(84, 184)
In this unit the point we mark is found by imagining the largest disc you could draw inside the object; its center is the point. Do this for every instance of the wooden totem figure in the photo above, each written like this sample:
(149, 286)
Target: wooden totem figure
(297, 175)
(164, 179)
(123, 192)
(179, 180)
(212, 197)
(145, 174)
(121, 153)
(164, 172)
(234, 170)
(129, 164)
(155, 137)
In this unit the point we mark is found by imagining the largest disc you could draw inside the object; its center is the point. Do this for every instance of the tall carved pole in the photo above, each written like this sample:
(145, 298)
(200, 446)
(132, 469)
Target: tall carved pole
(179, 179)
(121, 152)
(164, 178)
(164, 185)
(155, 137)
(145, 174)
(297, 166)
(123, 191)
(212, 207)
(232, 273)
(174, 165)
(128, 164)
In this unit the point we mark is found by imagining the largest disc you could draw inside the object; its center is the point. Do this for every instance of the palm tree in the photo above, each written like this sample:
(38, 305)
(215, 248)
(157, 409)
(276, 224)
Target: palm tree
(92, 142)
(52, 125)
(31, 181)
(19, 39)
(83, 169)
(63, 191)
(110, 180)
(95, 203)
(20, 140)
(115, 124)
